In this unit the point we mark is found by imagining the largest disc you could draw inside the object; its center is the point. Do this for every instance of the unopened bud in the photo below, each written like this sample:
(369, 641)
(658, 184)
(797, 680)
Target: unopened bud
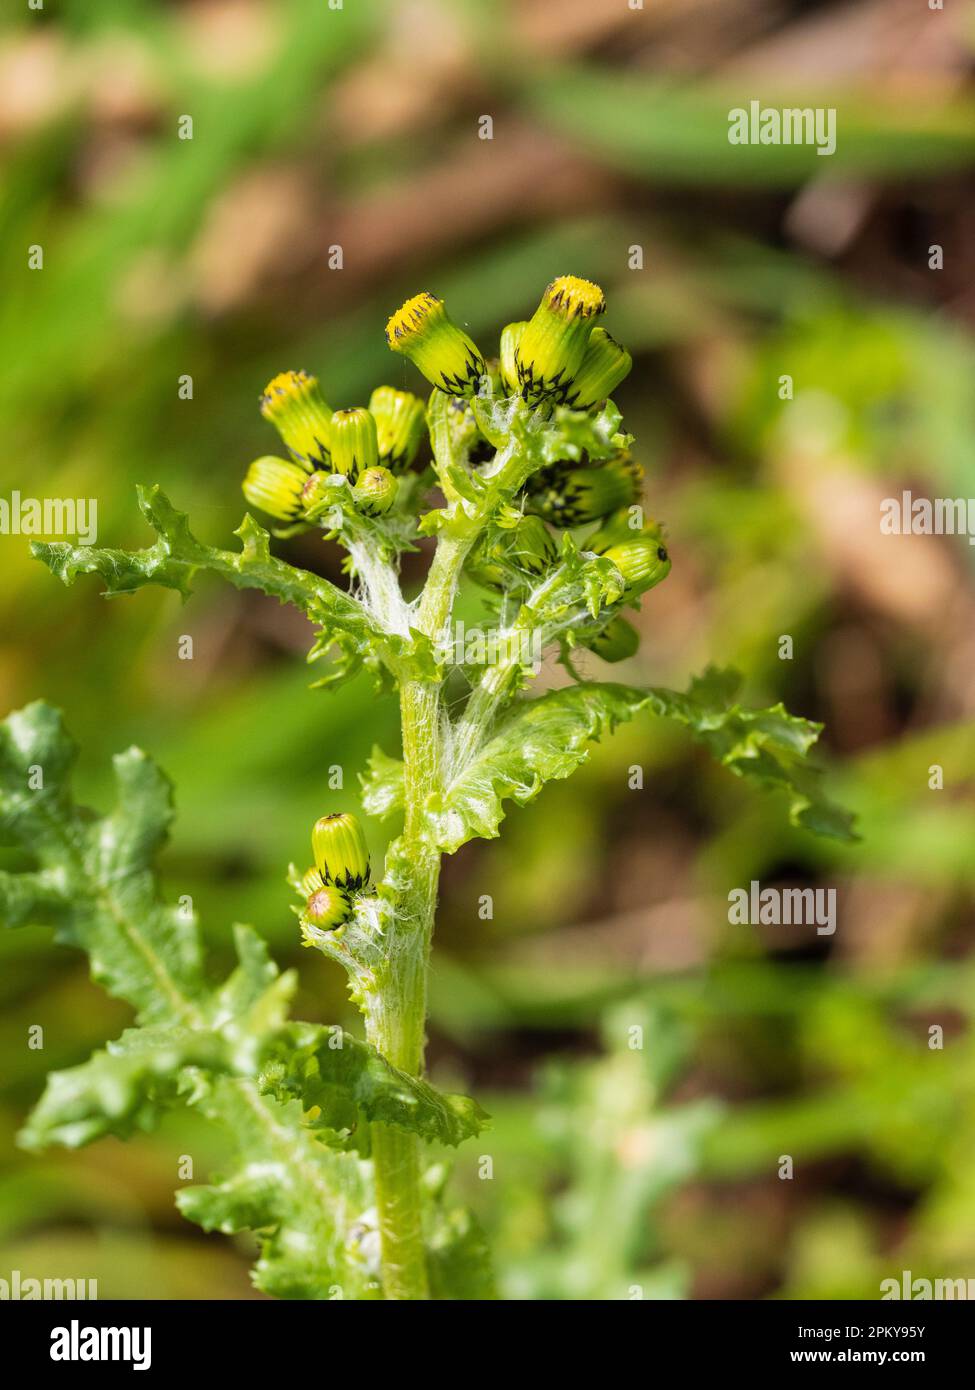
(618, 641)
(506, 559)
(354, 443)
(375, 492)
(585, 494)
(552, 347)
(604, 366)
(275, 486)
(294, 405)
(341, 855)
(510, 338)
(400, 426)
(327, 908)
(423, 331)
(642, 562)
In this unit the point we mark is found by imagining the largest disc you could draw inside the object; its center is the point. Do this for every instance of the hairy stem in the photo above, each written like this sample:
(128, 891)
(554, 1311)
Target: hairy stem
(397, 1022)
(396, 1159)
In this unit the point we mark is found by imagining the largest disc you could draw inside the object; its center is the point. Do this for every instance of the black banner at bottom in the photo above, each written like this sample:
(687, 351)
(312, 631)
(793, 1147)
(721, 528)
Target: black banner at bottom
(254, 1337)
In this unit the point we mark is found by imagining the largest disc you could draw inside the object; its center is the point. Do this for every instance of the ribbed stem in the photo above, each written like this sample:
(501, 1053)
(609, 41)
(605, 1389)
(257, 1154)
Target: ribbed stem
(397, 1024)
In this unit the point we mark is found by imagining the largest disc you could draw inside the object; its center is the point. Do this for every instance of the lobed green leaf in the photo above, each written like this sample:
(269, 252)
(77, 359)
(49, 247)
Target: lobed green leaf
(547, 738)
(538, 741)
(178, 556)
(346, 1083)
(93, 880)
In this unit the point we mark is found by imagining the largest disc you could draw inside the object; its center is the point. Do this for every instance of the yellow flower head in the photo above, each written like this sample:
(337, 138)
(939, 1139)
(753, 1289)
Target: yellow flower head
(552, 347)
(293, 403)
(423, 331)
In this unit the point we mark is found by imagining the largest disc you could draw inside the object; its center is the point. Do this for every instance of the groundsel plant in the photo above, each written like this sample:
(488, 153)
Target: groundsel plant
(532, 491)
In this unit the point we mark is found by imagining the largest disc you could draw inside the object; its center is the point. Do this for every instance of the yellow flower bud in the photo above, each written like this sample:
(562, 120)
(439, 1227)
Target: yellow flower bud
(422, 331)
(400, 426)
(327, 907)
(341, 855)
(275, 486)
(294, 405)
(604, 366)
(643, 562)
(510, 338)
(375, 492)
(355, 446)
(552, 347)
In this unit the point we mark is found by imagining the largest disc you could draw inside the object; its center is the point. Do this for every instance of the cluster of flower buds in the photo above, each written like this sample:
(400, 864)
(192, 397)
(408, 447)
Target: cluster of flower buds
(341, 870)
(367, 447)
(557, 357)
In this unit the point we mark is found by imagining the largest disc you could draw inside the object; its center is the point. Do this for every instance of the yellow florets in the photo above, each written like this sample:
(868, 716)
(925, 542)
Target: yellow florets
(293, 403)
(415, 316)
(284, 384)
(551, 349)
(574, 297)
(422, 330)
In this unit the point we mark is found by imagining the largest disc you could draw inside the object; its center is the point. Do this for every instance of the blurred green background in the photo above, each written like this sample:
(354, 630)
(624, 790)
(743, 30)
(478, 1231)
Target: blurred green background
(616, 1171)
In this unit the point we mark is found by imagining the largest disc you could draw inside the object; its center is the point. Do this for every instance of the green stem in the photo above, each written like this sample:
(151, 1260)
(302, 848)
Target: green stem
(396, 1160)
(397, 1021)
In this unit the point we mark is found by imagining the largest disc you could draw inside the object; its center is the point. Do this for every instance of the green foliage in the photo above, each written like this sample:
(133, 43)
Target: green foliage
(93, 880)
(225, 1050)
(767, 746)
(127, 216)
